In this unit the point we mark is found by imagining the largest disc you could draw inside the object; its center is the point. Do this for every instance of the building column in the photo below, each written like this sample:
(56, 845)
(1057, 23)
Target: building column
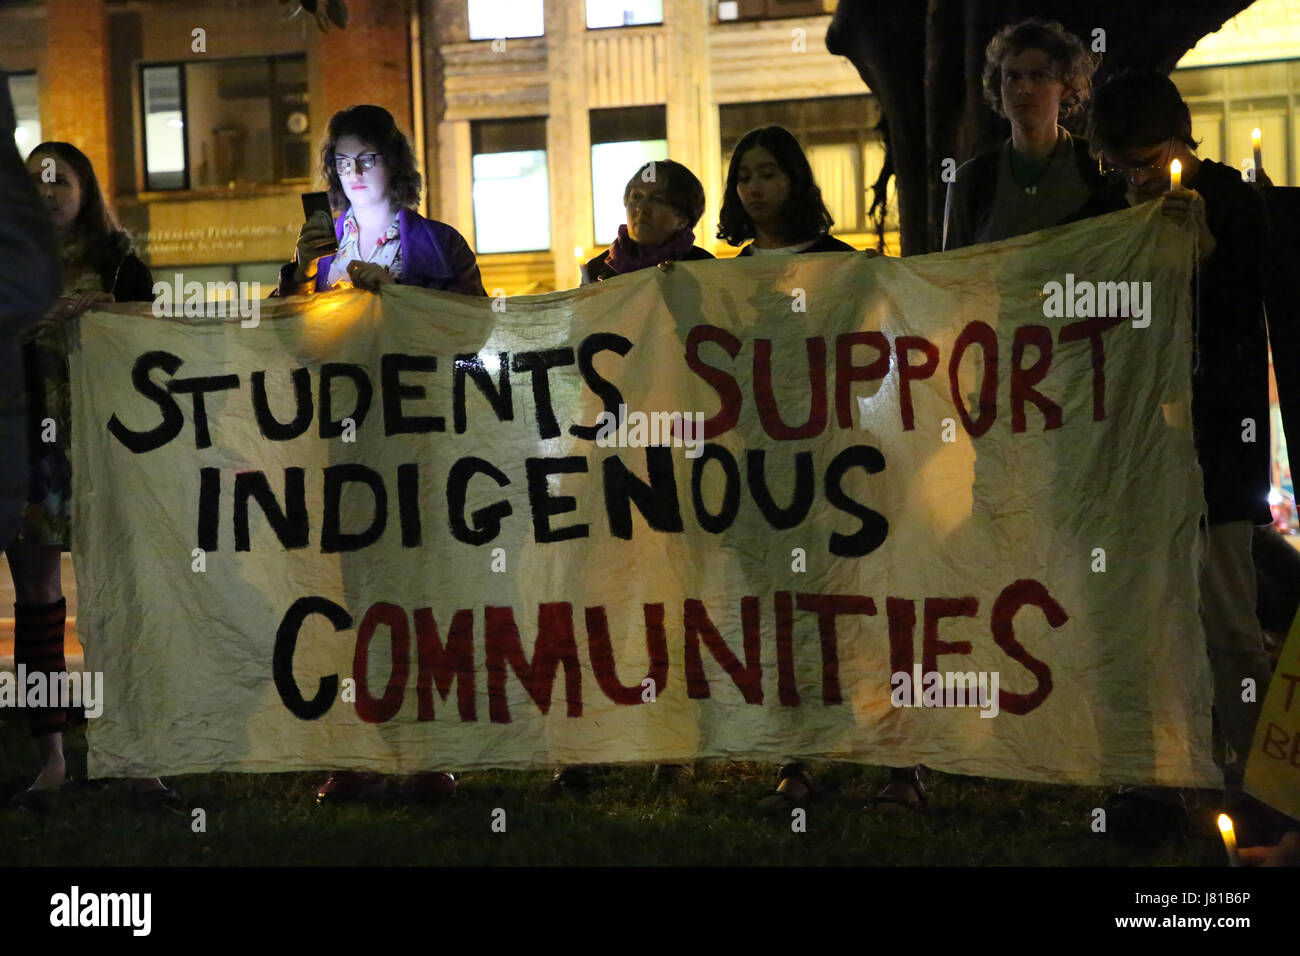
(568, 138)
(455, 176)
(691, 113)
(74, 82)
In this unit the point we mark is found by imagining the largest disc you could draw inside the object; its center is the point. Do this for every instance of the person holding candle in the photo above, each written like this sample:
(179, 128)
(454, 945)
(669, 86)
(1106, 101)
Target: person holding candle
(1036, 75)
(1139, 126)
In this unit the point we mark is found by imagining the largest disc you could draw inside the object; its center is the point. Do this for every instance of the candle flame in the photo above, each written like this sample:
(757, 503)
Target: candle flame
(1254, 135)
(1225, 823)
(1175, 167)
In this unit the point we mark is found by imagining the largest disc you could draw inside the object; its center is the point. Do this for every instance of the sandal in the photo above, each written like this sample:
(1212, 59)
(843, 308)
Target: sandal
(780, 799)
(907, 776)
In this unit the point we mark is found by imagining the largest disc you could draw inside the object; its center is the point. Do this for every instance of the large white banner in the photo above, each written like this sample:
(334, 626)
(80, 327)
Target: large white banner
(935, 510)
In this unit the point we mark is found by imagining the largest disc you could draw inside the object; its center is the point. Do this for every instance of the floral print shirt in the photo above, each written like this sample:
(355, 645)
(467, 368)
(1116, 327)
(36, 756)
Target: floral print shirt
(387, 252)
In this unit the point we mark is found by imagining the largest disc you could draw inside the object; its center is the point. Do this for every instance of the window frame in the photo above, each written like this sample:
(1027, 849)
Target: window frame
(144, 126)
(273, 63)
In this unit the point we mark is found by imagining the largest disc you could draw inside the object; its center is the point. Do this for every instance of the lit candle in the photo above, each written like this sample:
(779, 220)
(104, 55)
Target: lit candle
(1175, 174)
(1259, 153)
(1229, 839)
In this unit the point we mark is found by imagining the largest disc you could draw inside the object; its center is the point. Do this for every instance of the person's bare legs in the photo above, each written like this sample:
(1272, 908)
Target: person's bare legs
(37, 572)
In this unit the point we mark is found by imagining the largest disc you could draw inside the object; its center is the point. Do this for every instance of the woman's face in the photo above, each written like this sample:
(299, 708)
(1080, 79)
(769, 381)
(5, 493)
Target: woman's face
(762, 185)
(1031, 89)
(58, 187)
(363, 187)
(651, 219)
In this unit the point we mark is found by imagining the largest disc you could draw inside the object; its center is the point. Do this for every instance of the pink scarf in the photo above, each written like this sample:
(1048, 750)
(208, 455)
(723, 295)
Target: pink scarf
(626, 256)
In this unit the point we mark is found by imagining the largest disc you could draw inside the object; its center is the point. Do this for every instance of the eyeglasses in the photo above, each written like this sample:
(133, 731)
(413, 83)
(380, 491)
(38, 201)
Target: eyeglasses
(1131, 171)
(364, 163)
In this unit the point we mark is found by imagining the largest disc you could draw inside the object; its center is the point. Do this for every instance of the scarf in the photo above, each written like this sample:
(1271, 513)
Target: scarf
(626, 256)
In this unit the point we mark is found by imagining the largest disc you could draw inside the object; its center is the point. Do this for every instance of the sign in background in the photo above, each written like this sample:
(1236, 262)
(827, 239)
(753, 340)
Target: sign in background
(385, 532)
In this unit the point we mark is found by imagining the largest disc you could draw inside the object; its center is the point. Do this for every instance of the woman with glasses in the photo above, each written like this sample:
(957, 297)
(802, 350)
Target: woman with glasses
(1035, 75)
(379, 237)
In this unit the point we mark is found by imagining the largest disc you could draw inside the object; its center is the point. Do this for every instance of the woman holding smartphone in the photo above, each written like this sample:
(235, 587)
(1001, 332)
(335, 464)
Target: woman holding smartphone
(378, 237)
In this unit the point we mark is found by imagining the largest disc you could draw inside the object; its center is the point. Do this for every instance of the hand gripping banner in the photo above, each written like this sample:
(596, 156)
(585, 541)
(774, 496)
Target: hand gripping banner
(936, 510)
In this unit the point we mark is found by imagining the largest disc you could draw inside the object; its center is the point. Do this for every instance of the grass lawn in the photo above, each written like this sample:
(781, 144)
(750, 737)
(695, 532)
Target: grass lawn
(709, 819)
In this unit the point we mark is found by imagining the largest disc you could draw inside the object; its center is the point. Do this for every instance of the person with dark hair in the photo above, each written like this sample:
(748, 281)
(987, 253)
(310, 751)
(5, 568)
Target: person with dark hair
(379, 237)
(772, 198)
(99, 268)
(1139, 125)
(1035, 75)
(664, 201)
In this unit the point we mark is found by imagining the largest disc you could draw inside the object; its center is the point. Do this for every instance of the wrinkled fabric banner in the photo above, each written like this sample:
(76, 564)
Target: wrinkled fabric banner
(395, 533)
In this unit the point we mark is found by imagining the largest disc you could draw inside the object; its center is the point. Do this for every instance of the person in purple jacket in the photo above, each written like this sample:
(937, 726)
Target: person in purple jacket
(379, 236)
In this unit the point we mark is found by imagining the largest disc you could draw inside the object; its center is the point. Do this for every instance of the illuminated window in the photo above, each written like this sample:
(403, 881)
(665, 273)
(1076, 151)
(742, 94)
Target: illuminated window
(226, 122)
(499, 19)
(22, 90)
(512, 199)
(622, 140)
(623, 13)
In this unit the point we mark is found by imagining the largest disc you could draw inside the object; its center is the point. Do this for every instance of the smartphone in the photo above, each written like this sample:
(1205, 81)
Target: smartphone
(313, 202)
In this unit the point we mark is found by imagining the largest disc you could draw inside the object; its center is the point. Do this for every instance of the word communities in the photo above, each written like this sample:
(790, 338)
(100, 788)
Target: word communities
(67, 691)
(103, 909)
(952, 689)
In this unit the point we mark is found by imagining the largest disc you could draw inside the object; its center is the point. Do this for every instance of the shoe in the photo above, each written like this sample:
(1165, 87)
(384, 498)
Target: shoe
(431, 787)
(570, 780)
(782, 799)
(906, 777)
(349, 786)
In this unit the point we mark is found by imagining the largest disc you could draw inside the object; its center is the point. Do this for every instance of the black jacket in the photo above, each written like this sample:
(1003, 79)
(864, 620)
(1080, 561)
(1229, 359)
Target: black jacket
(1230, 378)
(29, 284)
